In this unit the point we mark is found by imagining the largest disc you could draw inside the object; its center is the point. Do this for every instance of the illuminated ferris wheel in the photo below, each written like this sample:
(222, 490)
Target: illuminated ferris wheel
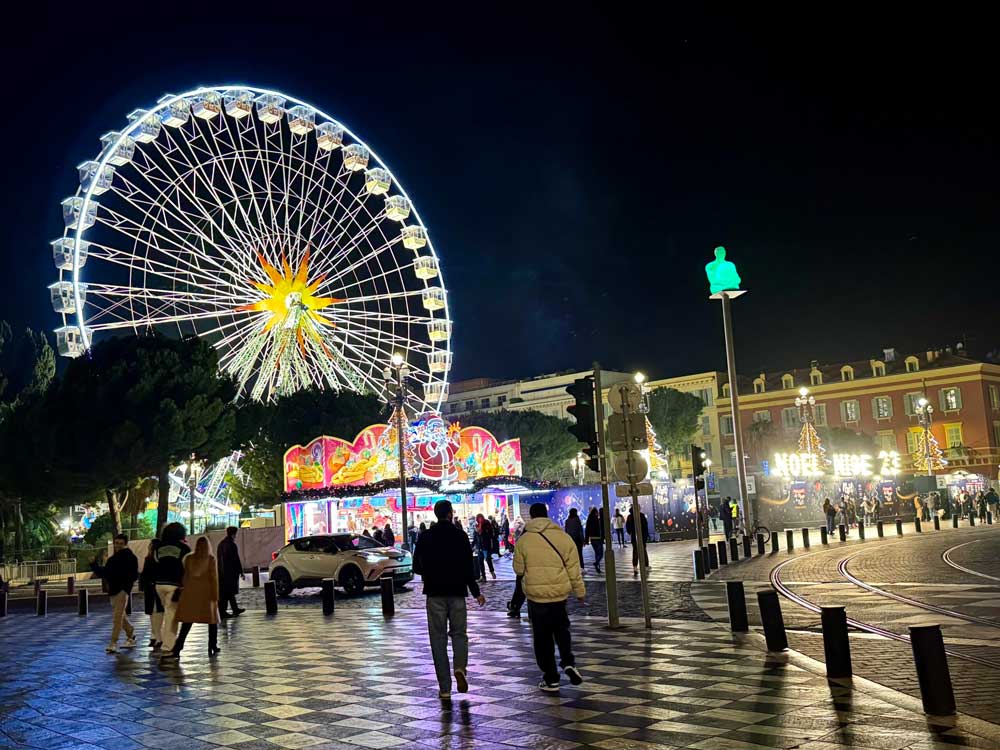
(257, 221)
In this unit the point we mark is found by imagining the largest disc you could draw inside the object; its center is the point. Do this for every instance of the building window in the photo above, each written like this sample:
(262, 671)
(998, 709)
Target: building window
(706, 425)
(819, 412)
(455, 408)
(501, 400)
(708, 451)
(951, 399)
(996, 433)
(911, 439)
(787, 381)
(762, 416)
(885, 440)
(878, 369)
(846, 373)
(729, 459)
(850, 411)
(726, 424)
(994, 397)
(725, 390)
(790, 418)
(705, 394)
(758, 385)
(484, 403)
(882, 407)
(912, 364)
(910, 401)
(470, 405)
(953, 435)
(815, 377)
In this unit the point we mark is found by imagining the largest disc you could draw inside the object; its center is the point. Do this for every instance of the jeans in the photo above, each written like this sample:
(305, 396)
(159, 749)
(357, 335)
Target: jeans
(213, 637)
(486, 557)
(549, 628)
(119, 620)
(598, 545)
(829, 523)
(168, 630)
(621, 536)
(447, 616)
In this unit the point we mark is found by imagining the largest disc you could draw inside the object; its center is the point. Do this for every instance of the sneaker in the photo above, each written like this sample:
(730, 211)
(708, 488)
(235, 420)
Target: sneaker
(111, 649)
(238, 611)
(152, 643)
(514, 613)
(158, 646)
(635, 571)
(574, 675)
(548, 687)
(463, 683)
(444, 695)
(130, 642)
(494, 575)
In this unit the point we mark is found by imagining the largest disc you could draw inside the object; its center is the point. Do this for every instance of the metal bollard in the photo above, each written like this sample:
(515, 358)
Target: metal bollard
(38, 586)
(836, 645)
(723, 552)
(704, 559)
(954, 521)
(328, 604)
(989, 517)
(937, 522)
(878, 528)
(270, 598)
(734, 550)
(789, 540)
(738, 620)
(389, 602)
(713, 557)
(823, 535)
(972, 519)
(917, 527)
(805, 538)
(932, 670)
(746, 546)
(255, 576)
(774, 541)
(42, 603)
(842, 532)
(770, 618)
(70, 585)
(760, 544)
(696, 557)
(3, 603)
(861, 530)
(899, 527)
(83, 602)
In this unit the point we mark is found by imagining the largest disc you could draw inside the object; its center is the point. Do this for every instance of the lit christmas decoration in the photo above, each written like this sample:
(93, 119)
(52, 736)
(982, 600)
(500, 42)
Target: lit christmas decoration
(927, 453)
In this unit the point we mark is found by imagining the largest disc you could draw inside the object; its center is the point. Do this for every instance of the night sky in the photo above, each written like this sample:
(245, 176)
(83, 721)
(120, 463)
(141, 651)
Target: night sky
(576, 168)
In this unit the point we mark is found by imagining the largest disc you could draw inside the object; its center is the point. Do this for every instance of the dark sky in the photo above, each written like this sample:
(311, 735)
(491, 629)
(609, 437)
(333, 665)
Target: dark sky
(577, 166)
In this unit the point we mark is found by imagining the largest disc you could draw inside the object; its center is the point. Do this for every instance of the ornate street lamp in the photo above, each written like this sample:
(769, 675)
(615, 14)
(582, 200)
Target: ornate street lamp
(395, 380)
(579, 464)
(191, 471)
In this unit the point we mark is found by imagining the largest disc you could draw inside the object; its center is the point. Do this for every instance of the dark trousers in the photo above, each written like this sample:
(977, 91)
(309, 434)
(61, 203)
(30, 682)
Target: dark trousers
(598, 545)
(550, 628)
(727, 527)
(228, 600)
(579, 551)
(517, 600)
(213, 636)
(635, 554)
(487, 558)
(621, 536)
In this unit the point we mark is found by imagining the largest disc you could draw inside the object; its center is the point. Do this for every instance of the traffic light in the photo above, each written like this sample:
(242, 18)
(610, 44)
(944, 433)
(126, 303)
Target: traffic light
(585, 428)
(698, 457)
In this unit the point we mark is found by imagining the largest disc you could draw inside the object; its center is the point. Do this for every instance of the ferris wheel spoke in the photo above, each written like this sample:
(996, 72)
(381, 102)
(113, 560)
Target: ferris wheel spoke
(392, 338)
(156, 268)
(334, 274)
(376, 297)
(144, 321)
(338, 315)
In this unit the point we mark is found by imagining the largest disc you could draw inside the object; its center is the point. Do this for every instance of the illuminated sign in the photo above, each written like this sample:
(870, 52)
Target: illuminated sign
(803, 465)
(892, 464)
(796, 465)
(852, 465)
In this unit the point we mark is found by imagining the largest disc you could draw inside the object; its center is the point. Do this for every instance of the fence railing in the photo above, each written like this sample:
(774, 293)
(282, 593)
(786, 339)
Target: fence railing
(31, 570)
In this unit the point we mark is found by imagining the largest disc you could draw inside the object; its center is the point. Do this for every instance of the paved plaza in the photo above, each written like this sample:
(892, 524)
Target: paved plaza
(299, 680)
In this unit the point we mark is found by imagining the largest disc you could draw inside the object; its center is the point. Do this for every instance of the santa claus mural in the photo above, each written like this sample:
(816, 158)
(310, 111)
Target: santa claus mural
(436, 448)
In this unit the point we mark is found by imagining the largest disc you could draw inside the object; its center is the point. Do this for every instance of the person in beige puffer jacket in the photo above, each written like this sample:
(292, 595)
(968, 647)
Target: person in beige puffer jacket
(546, 557)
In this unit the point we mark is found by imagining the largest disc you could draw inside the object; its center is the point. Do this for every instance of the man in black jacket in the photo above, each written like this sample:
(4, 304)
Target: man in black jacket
(630, 528)
(230, 574)
(443, 559)
(120, 573)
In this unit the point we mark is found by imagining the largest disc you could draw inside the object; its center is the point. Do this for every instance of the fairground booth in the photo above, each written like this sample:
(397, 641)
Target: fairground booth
(337, 485)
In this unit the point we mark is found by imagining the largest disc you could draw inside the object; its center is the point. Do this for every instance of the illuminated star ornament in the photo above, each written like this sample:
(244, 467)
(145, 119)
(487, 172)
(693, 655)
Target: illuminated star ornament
(293, 343)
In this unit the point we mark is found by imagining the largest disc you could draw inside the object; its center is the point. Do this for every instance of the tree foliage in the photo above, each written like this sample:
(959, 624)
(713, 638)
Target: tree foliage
(546, 444)
(27, 366)
(674, 416)
(268, 430)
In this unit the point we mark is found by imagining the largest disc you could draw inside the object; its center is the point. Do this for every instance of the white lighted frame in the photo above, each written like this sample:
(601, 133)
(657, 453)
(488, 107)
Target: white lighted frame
(805, 465)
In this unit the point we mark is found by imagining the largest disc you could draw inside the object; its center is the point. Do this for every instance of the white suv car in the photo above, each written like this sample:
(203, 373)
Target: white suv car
(353, 561)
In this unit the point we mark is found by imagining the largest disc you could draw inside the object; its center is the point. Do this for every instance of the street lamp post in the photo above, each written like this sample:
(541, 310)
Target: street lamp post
(191, 471)
(807, 411)
(579, 464)
(925, 412)
(395, 379)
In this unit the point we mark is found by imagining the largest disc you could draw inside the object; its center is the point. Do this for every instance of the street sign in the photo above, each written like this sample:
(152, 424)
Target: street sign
(751, 484)
(625, 395)
(639, 467)
(625, 490)
(636, 431)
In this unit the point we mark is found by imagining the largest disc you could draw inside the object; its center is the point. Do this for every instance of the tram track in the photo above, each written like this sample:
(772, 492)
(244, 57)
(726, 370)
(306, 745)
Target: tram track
(946, 557)
(801, 601)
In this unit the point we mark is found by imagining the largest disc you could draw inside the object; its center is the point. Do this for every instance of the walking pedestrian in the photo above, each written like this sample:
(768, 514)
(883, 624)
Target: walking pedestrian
(992, 499)
(727, 517)
(495, 538)
(505, 534)
(574, 528)
(518, 529)
(151, 602)
(981, 506)
(388, 537)
(734, 514)
(595, 535)
(544, 557)
(443, 560)
(713, 516)
(199, 597)
(230, 574)
(830, 512)
(169, 557)
(930, 506)
(120, 573)
(918, 507)
(377, 536)
(630, 527)
(618, 524)
(484, 539)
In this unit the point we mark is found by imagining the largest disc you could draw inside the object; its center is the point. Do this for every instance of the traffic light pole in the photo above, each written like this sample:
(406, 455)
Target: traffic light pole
(611, 582)
(637, 525)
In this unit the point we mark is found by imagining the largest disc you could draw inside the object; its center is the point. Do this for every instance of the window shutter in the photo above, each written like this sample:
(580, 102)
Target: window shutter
(942, 401)
(958, 397)
(888, 402)
(843, 412)
(875, 408)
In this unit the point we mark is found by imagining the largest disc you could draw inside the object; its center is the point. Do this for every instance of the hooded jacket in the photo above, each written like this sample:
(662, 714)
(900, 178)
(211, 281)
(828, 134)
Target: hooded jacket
(550, 575)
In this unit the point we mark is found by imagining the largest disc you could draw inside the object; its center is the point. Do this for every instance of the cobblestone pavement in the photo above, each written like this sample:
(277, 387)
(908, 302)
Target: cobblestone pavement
(911, 567)
(300, 680)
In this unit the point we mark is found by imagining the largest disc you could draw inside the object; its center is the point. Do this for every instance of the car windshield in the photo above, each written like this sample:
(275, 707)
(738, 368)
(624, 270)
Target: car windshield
(356, 541)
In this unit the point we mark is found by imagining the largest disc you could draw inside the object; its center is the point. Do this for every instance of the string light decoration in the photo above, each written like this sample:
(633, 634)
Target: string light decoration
(929, 452)
(809, 442)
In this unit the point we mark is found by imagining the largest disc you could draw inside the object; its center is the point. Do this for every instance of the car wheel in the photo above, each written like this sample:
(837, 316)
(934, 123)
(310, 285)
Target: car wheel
(282, 582)
(352, 581)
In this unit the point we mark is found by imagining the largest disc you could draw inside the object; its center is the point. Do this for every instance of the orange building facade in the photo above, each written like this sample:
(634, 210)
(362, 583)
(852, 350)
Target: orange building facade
(876, 397)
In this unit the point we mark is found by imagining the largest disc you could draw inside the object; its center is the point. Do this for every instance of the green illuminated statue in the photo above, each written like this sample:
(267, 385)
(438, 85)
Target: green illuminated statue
(722, 276)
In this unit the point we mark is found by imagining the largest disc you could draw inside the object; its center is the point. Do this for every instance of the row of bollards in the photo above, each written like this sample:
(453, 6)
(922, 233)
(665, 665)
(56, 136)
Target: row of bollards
(929, 655)
(328, 596)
